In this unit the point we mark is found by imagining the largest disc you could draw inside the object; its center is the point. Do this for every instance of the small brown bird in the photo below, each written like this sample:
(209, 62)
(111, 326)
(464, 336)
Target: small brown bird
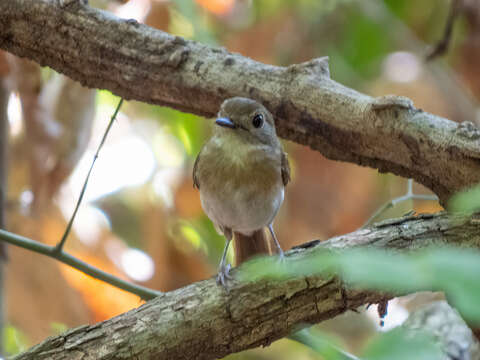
(241, 173)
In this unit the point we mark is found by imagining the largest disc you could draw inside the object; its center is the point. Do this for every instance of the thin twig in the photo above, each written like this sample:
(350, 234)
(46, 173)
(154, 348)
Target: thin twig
(57, 252)
(443, 44)
(409, 195)
(51, 251)
(61, 243)
(320, 345)
(4, 93)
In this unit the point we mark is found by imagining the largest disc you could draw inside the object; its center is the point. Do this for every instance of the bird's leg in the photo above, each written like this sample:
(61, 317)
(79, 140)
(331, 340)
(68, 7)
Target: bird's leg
(223, 268)
(281, 254)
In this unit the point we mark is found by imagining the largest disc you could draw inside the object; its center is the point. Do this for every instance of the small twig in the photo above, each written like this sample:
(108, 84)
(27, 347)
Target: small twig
(4, 93)
(443, 44)
(51, 251)
(409, 195)
(59, 247)
(320, 345)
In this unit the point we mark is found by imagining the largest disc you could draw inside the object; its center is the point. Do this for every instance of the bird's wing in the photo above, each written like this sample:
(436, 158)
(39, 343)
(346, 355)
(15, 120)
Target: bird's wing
(195, 168)
(285, 169)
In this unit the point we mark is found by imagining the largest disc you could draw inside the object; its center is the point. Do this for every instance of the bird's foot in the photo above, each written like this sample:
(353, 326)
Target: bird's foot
(223, 275)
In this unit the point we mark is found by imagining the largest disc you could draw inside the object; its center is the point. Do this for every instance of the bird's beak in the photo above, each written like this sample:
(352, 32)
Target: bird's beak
(226, 122)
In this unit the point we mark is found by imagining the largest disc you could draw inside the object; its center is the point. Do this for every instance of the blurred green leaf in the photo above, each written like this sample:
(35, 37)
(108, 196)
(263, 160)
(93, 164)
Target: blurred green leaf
(467, 201)
(212, 243)
(382, 270)
(270, 267)
(180, 25)
(266, 9)
(15, 340)
(188, 128)
(312, 10)
(190, 232)
(58, 328)
(193, 16)
(363, 43)
(457, 271)
(398, 7)
(400, 345)
(453, 270)
(105, 97)
(325, 345)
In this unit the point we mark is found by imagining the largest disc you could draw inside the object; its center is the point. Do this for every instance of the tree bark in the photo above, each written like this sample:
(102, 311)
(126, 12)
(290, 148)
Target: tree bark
(137, 62)
(203, 321)
(448, 329)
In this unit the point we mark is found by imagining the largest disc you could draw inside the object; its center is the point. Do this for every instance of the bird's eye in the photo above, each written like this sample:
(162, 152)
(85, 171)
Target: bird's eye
(257, 121)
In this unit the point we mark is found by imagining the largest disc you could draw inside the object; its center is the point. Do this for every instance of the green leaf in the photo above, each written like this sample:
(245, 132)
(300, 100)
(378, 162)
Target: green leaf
(382, 270)
(58, 328)
(15, 340)
(399, 344)
(325, 345)
(453, 270)
(188, 128)
(457, 272)
(467, 201)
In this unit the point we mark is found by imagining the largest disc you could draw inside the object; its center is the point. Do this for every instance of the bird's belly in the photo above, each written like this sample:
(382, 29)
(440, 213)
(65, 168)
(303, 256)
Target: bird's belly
(243, 209)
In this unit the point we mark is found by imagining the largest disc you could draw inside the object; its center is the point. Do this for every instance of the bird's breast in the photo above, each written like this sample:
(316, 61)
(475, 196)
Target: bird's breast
(241, 189)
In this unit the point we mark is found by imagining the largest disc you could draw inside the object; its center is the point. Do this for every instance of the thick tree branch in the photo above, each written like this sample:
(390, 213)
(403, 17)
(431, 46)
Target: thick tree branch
(138, 62)
(203, 321)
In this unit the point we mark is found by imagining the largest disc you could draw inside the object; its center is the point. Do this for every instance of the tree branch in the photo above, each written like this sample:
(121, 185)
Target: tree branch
(137, 62)
(61, 243)
(203, 321)
(62, 256)
(441, 47)
(4, 129)
(447, 327)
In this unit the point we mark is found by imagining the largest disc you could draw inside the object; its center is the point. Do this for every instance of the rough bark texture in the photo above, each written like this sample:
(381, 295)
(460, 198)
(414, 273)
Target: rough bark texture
(138, 62)
(448, 329)
(203, 321)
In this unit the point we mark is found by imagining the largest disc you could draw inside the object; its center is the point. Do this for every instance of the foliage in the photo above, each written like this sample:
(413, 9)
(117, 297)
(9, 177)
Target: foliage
(467, 201)
(453, 270)
(15, 340)
(399, 345)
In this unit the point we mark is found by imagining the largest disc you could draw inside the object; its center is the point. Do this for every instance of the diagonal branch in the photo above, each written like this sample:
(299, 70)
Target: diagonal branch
(441, 47)
(203, 321)
(61, 243)
(137, 62)
(66, 258)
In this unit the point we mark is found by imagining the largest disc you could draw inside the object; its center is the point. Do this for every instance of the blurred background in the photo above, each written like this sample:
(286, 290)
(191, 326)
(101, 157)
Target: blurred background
(142, 220)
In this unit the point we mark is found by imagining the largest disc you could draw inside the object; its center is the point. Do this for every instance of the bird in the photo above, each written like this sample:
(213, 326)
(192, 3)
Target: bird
(241, 173)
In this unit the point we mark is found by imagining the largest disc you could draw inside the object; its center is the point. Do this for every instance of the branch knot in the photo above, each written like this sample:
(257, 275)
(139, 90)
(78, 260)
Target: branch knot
(314, 67)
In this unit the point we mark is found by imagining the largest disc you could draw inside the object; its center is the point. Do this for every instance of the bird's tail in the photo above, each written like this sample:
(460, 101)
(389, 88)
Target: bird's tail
(248, 246)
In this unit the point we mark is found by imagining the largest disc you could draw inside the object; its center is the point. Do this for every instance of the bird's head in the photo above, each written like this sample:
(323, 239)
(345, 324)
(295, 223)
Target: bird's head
(246, 120)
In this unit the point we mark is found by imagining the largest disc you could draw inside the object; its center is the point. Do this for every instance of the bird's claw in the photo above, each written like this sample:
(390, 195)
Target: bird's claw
(224, 275)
